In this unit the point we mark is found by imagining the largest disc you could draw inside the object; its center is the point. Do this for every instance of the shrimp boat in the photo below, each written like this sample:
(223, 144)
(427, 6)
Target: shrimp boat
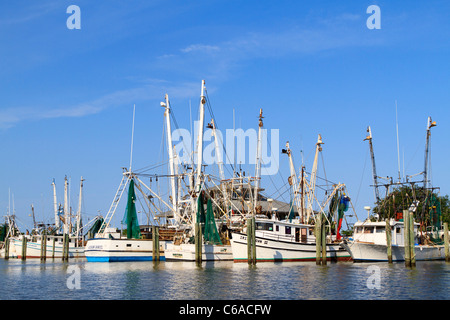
(284, 241)
(292, 239)
(109, 246)
(212, 249)
(369, 239)
(34, 246)
(190, 211)
(52, 241)
(369, 243)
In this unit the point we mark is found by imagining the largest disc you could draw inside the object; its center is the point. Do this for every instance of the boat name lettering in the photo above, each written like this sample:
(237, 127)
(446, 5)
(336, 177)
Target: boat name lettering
(96, 247)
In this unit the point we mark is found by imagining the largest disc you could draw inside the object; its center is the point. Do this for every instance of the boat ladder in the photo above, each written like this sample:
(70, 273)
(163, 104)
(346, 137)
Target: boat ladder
(114, 204)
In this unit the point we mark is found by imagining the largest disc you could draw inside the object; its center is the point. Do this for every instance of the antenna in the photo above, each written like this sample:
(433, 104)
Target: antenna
(398, 146)
(132, 137)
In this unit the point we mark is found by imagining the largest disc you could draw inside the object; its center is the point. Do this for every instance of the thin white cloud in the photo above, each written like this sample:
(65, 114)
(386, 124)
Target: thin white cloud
(10, 117)
(200, 47)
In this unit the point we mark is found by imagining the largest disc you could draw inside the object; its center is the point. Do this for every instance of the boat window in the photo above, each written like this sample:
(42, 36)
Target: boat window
(287, 230)
(277, 228)
(128, 244)
(368, 229)
(264, 226)
(379, 229)
(359, 229)
(398, 230)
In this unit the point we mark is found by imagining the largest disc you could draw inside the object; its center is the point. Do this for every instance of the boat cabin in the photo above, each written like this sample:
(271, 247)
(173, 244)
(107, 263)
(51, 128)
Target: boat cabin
(375, 232)
(284, 231)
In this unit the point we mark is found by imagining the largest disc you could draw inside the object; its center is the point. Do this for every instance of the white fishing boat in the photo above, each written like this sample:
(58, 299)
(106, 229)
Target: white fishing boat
(109, 245)
(186, 252)
(114, 248)
(54, 242)
(369, 239)
(368, 243)
(34, 247)
(284, 241)
(293, 239)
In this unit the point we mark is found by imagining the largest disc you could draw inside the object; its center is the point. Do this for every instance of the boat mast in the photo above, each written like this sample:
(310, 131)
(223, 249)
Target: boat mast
(314, 168)
(198, 182)
(66, 206)
(293, 178)
(55, 206)
(374, 170)
(219, 158)
(79, 208)
(200, 138)
(258, 162)
(430, 124)
(34, 219)
(170, 151)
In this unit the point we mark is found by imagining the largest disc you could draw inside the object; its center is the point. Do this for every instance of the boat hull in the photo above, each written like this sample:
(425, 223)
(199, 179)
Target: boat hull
(367, 252)
(116, 250)
(272, 250)
(34, 250)
(186, 252)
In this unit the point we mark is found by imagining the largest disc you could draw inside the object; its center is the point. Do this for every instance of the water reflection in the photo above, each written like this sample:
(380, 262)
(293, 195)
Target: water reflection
(222, 280)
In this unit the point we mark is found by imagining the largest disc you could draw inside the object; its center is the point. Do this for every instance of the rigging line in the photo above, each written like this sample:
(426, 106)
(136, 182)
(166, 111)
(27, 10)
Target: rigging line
(208, 104)
(324, 172)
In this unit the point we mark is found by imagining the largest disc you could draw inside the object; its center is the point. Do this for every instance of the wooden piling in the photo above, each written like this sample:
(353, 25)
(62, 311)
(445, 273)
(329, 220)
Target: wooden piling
(251, 241)
(406, 231)
(412, 239)
(44, 247)
(198, 243)
(324, 240)
(53, 250)
(24, 248)
(389, 241)
(446, 250)
(65, 253)
(7, 249)
(155, 239)
(254, 241)
(318, 234)
(67, 247)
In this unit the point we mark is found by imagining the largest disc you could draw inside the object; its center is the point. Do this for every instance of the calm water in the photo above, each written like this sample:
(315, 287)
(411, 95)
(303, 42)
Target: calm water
(32, 280)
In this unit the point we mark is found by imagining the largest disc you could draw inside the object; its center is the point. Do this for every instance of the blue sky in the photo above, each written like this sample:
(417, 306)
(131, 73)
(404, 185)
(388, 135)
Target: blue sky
(66, 96)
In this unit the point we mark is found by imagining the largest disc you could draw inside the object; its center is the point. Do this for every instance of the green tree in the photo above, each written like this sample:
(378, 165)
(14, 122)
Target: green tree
(432, 209)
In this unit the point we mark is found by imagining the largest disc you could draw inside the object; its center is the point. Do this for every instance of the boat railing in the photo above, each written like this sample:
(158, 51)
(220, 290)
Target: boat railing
(285, 238)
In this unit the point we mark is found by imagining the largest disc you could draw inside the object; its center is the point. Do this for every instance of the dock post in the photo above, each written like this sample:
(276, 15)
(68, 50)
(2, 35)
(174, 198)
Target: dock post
(198, 243)
(43, 247)
(7, 249)
(389, 241)
(24, 248)
(447, 256)
(254, 241)
(406, 231)
(412, 239)
(318, 234)
(67, 247)
(155, 238)
(53, 250)
(249, 240)
(63, 255)
(324, 240)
